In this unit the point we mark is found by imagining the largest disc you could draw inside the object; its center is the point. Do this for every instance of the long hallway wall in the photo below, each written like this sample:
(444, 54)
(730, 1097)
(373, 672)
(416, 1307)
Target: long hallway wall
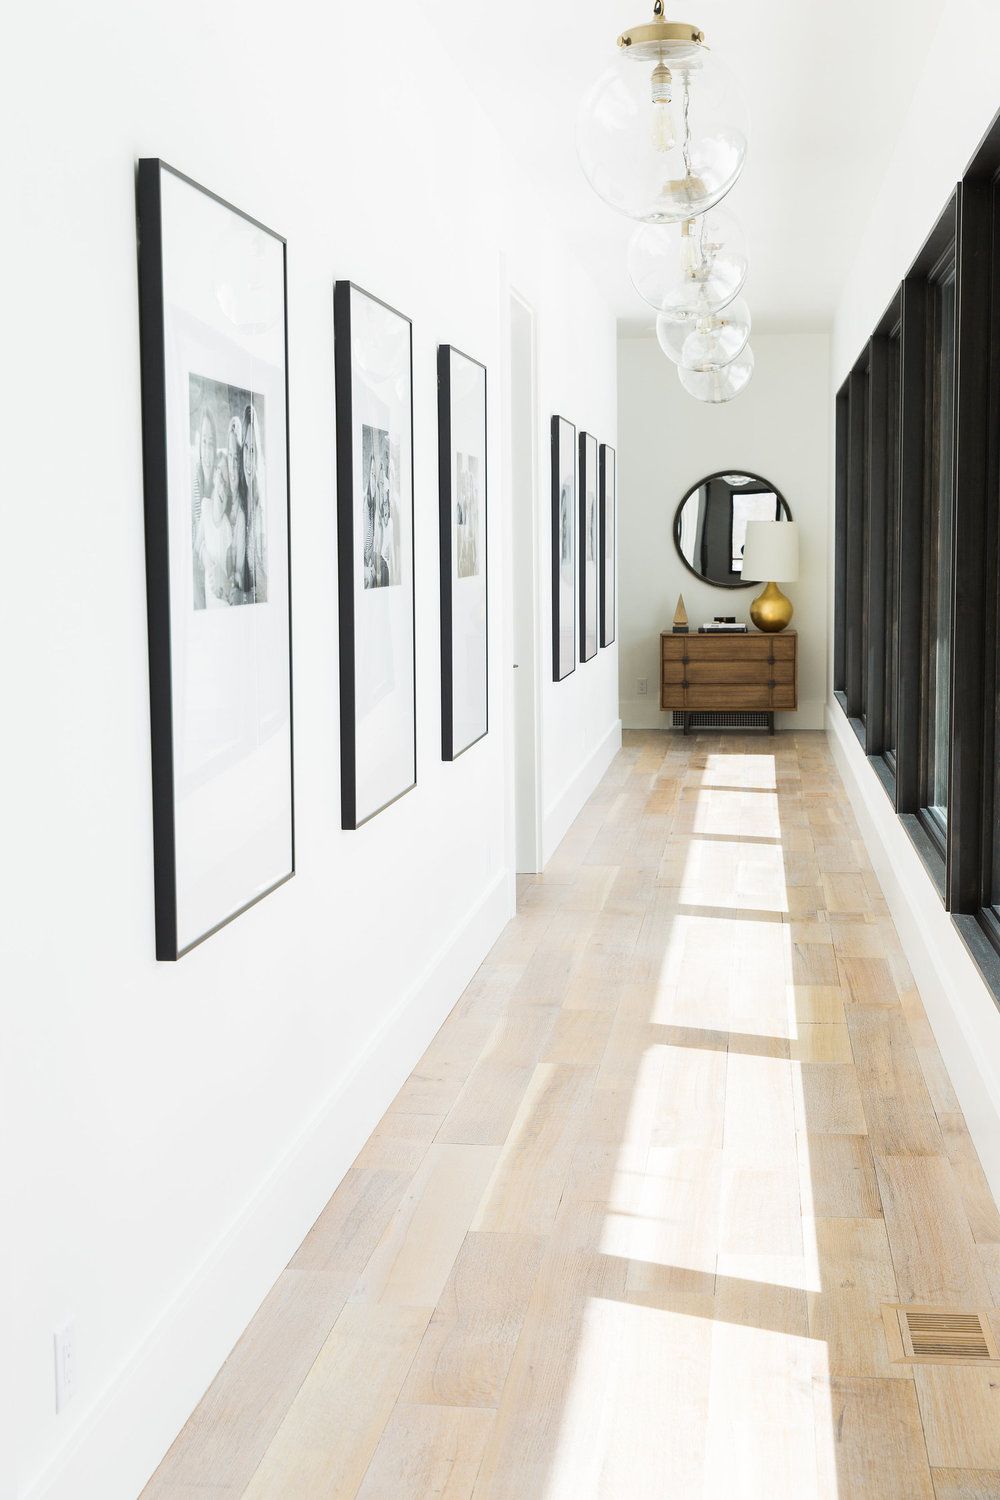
(178, 1127)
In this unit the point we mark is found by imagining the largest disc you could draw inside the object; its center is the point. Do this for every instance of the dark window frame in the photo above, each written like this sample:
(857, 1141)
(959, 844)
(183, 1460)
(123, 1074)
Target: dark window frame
(843, 418)
(888, 607)
(942, 274)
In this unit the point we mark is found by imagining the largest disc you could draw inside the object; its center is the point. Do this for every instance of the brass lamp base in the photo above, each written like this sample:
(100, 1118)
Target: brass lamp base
(771, 610)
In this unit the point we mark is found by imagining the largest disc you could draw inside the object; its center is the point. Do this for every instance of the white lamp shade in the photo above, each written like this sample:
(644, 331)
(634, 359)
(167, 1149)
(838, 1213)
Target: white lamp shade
(772, 551)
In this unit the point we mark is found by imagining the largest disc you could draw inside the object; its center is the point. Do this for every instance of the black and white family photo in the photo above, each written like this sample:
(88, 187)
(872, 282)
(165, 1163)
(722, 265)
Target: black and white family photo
(566, 527)
(228, 529)
(467, 507)
(380, 509)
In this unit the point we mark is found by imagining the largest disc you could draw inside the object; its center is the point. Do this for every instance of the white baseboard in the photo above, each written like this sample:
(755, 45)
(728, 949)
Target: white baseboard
(646, 713)
(960, 1006)
(557, 820)
(132, 1423)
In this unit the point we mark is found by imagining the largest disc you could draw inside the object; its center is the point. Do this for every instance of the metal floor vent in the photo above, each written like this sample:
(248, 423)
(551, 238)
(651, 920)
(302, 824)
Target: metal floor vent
(938, 1335)
(719, 719)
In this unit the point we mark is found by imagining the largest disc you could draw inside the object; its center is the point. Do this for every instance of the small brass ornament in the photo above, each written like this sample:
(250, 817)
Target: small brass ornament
(681, 626)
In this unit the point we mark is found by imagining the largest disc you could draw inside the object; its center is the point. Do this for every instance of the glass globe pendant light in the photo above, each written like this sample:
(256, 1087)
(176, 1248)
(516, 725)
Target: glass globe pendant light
(706, 343)
(692, 268)
(662, 134)
(717, 386)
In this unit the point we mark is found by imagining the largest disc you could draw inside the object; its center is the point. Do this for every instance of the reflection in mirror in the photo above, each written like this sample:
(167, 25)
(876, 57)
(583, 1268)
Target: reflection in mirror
(711, 524)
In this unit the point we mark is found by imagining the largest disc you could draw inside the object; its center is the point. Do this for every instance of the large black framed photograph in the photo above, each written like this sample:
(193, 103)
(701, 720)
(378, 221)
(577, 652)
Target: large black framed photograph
(212, 288)
(373, 363)
(589, 547)
(462, 498)
(608, 540)
(563, 548)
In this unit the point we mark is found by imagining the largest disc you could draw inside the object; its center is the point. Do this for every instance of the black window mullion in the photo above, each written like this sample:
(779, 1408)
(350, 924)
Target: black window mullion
(990, 861)
(840, 544)
(913, 379)
(854, 594)
(877, 480)
(970, 491)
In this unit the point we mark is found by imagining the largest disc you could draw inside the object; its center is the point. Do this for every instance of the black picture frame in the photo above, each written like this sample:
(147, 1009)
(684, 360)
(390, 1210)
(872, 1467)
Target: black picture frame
(608, 502)
(589, 547)
(564, 519)
(358, 810)
(177, 932)
(455, 741)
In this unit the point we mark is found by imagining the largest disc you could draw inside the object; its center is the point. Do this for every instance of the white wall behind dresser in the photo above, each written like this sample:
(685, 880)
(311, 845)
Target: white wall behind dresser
(779, 428)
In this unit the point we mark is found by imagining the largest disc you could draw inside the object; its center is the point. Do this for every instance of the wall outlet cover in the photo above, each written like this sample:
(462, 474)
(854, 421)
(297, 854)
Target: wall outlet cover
(64, 1341)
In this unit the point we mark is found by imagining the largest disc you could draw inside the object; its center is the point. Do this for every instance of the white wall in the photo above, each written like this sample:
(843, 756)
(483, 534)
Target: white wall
(779, 428)
(176, 1128)
(925, 167)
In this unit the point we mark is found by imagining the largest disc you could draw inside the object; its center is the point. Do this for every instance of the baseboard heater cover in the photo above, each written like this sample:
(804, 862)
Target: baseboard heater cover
(724, 719)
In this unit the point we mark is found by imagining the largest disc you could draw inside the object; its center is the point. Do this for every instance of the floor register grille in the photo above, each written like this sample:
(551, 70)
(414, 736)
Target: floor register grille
(939, 1335)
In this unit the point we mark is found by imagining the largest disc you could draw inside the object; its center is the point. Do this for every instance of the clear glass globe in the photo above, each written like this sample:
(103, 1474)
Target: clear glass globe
(690, 269)
(706, 343)
(716, 386)
(662, 135)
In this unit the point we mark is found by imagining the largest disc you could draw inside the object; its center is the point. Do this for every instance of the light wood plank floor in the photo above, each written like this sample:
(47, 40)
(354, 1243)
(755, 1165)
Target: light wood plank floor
(626, 1231)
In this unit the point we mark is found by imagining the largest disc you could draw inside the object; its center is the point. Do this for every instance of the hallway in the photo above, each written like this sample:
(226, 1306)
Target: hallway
(628, 1229)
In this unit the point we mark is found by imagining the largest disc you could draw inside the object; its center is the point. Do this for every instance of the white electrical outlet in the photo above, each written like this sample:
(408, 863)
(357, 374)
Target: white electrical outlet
(642, 687)
(65, 1351)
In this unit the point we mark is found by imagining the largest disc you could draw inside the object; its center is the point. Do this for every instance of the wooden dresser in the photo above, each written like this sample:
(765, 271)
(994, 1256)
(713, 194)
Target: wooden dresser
(725, 674)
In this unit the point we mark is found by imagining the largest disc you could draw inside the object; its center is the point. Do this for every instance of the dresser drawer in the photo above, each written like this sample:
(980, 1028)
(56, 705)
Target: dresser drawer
(708, 696)
(757, 671)
(728, 647)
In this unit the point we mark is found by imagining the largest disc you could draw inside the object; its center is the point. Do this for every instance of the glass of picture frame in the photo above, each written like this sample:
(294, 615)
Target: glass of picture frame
(608, 541)
(462, 494)
(563, 435)
(373, 360)
(212, 284)
(589, 547)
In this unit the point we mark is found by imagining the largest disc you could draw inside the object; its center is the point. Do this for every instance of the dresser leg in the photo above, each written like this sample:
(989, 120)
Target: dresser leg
(770, 722)
(687, 722)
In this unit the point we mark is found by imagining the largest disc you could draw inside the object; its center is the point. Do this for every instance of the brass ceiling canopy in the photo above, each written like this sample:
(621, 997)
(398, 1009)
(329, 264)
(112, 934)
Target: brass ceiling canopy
(658, 36)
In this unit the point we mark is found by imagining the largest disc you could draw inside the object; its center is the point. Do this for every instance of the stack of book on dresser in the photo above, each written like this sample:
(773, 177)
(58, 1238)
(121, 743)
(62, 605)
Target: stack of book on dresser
(722, 627)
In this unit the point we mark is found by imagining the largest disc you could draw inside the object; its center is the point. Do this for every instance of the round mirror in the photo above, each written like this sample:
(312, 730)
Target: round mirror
(710, 526)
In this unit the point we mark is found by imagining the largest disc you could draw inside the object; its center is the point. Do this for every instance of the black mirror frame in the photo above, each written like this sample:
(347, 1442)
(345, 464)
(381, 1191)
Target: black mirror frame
(721, 474)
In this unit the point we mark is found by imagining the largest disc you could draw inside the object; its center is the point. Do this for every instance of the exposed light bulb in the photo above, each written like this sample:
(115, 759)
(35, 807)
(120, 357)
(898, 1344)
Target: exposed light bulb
(692, 261)
(664, 135)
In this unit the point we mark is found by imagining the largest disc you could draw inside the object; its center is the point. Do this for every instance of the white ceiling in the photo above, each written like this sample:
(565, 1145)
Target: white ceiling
(826, 85)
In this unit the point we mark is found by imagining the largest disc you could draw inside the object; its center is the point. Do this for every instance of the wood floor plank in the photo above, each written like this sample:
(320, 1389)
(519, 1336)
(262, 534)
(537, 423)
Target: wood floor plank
(413, 1260)
(427, 1453)
(523, 1193)
(837, 1177)
(897, 1106)
(486, 1106)
(869, 1440)
(932, 1246)
(828, 1099)
(966, 1484)
(960, 1408)
(856, 1277)
(466, 1352)
(332, 1428)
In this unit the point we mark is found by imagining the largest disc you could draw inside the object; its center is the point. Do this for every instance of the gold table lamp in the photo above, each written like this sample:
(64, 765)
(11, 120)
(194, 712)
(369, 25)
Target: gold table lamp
(772, 552)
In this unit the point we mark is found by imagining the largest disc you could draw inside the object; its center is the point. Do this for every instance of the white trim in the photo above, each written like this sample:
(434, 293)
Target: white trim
(132, 1423)
(572, 797)
(960, 1006)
